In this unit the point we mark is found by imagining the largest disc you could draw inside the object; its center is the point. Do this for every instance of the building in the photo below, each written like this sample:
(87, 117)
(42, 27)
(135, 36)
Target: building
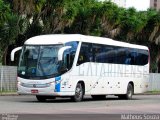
(155, 4)
(120, 3)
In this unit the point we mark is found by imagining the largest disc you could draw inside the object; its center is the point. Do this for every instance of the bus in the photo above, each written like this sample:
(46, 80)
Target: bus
(73, 65)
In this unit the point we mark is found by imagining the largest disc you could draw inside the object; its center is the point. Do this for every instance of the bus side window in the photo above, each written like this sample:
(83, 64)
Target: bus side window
(69, 54)
(85, 54)
(81, 59)
(142, 57)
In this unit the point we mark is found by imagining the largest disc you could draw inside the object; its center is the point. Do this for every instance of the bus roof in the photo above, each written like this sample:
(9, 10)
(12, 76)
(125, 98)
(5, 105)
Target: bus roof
(63, 38)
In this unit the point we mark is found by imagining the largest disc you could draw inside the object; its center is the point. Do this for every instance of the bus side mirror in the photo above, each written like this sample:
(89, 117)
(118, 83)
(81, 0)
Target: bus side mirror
(14, 51)
(61, 51)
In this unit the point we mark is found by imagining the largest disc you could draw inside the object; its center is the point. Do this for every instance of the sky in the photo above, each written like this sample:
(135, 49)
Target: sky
(138, 4)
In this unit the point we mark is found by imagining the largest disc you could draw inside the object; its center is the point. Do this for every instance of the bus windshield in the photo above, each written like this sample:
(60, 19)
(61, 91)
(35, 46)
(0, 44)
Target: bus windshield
(39, 62)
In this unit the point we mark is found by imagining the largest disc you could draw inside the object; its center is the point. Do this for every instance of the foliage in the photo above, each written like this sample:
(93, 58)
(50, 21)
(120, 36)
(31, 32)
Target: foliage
(22, 19)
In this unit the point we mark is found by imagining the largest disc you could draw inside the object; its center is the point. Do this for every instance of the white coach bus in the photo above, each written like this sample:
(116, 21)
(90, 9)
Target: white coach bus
(76, 65)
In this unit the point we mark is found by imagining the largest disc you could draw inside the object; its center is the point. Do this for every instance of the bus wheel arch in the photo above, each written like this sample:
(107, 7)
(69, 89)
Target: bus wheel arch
(129, 91)
(79, 92)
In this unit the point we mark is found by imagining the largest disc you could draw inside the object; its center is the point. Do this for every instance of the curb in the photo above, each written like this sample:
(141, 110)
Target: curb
(148, 94)
(8, 94)
(16, 94)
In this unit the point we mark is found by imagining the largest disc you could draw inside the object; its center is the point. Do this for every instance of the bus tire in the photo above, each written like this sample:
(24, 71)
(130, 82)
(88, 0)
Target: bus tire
(129, 93)
(79, 93)
(41, 98)
(99, 97)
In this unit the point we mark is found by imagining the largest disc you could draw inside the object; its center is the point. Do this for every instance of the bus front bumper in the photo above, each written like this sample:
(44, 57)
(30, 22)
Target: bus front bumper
(49, 91)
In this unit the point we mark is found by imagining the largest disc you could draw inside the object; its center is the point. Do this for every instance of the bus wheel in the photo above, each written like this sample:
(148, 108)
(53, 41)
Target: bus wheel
(128, 94)
(79, 92)
(99, 97)
(41, 98)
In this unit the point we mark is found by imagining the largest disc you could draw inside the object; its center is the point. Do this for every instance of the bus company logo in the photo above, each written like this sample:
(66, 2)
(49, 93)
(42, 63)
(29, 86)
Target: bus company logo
(112, 70)
(34, 85)
(33, 82)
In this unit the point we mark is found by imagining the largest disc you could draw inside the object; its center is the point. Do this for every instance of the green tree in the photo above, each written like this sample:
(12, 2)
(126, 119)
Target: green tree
(22, 19)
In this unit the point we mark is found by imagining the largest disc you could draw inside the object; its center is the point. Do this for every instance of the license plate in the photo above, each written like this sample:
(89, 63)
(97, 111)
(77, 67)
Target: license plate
(34, 91)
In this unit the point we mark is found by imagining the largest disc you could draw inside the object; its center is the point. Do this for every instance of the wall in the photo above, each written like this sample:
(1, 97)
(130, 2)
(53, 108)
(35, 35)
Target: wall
(155, 4)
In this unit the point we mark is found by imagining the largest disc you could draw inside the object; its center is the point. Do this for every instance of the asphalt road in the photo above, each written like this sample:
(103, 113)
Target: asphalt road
(63, 107)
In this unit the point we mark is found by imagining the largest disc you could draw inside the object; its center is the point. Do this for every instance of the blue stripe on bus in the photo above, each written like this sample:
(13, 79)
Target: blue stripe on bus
(57, 84)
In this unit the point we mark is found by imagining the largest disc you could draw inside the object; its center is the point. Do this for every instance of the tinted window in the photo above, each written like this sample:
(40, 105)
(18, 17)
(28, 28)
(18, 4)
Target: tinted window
(86, 54)
(142, 57)
(122, 56)
(104, 54)
(112, 54)
(70, 54)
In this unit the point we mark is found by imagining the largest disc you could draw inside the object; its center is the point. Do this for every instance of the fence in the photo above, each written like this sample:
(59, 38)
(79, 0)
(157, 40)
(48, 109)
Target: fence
(8, 76)
(154, 82)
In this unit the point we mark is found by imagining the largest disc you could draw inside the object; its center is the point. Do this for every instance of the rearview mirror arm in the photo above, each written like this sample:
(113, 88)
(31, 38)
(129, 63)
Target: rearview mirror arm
(14, 51)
